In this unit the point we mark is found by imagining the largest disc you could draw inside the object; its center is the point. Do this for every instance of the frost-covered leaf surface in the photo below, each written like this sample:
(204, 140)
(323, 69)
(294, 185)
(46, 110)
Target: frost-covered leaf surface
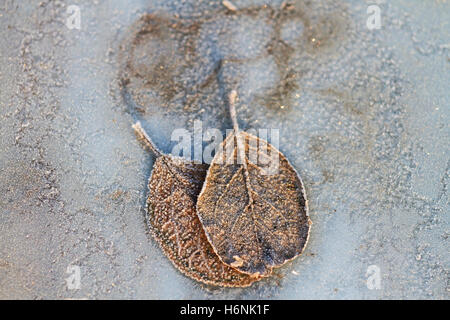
(255, 220)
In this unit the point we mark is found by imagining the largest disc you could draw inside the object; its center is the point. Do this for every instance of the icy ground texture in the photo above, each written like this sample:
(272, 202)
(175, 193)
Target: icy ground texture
(363, 117)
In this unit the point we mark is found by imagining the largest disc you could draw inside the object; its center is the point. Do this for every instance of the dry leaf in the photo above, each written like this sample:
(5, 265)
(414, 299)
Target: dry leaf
(254, 221)
(173, 189)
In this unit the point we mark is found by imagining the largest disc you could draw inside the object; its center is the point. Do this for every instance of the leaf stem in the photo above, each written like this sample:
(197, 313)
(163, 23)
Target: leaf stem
(232, 105)
(239, 144)
(144, 136)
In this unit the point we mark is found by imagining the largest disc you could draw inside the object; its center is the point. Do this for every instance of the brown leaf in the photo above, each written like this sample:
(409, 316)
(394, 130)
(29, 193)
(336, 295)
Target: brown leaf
(254, 220)
(173, 189)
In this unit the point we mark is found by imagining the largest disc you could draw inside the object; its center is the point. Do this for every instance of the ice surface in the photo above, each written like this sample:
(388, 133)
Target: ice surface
(363, 117)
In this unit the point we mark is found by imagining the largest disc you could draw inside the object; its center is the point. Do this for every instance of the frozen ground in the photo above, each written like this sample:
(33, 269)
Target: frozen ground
(363, 117)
